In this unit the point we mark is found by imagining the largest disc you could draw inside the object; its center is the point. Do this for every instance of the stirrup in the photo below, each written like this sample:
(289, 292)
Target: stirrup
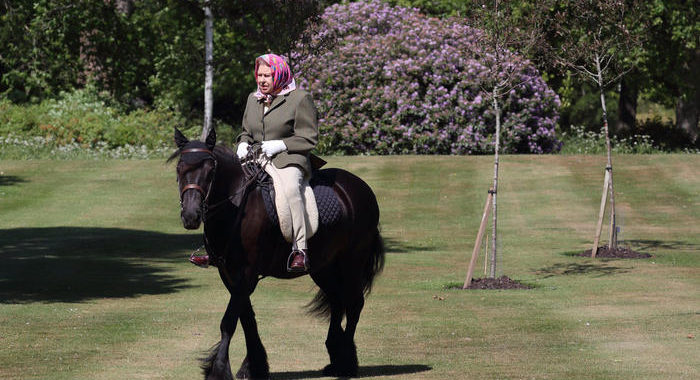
(290, 258)
(195, 259)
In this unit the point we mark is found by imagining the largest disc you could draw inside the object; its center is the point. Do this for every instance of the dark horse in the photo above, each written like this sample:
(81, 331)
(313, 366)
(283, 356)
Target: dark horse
(246, 246)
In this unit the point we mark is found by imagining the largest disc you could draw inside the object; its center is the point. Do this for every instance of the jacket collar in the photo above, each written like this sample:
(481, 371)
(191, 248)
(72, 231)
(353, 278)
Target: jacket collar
(276, 102)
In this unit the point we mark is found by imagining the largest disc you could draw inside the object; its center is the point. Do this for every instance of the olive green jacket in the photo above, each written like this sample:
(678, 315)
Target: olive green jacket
(292, 118)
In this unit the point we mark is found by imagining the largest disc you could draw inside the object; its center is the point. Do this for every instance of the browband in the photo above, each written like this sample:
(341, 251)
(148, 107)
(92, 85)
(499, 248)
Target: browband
(196, 150)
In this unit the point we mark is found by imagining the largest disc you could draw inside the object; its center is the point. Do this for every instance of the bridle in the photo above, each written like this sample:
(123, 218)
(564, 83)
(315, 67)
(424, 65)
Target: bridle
(251, 173)
(194, 186)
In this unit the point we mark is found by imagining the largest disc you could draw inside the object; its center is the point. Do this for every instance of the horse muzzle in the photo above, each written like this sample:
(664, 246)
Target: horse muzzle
(191, 221)
(191, 213)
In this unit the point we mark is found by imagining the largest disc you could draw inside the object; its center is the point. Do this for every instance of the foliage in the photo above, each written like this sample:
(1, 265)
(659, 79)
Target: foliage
(664, 135)
(649, 137)
(399, 82)
(86, 120)
(579, 141)
(16, 147)
(440, 8)
(673, 29)
(584, 107)
(668, 33)
(58, 45)
(151, 56)
(596, 39)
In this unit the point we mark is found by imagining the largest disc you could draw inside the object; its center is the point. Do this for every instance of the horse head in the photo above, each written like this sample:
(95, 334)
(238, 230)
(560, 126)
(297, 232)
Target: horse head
(196, 171)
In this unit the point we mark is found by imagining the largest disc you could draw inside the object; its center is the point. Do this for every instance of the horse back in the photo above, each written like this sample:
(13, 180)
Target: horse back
(356, 197)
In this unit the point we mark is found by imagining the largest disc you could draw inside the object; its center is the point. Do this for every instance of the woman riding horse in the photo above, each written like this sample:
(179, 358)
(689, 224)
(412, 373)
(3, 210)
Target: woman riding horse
(347, 251)
(284, 120)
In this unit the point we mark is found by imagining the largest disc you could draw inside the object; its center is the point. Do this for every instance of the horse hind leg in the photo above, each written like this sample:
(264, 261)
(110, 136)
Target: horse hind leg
(340, 342)
(334, 340)
(348, 360)
(357, 283)
(328, 304)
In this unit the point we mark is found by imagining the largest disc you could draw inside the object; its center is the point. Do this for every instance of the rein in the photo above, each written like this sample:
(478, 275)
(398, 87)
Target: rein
(251, 171)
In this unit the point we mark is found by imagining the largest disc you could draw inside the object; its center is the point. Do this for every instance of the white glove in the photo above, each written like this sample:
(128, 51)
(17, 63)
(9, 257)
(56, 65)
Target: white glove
(272, 147)
(242, 150)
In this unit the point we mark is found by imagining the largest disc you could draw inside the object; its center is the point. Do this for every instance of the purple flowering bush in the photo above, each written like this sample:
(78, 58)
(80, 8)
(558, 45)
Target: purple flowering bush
(395, 81)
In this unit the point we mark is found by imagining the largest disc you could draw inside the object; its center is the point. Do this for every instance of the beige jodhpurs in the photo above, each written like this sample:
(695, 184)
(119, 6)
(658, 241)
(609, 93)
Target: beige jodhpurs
(291, 178)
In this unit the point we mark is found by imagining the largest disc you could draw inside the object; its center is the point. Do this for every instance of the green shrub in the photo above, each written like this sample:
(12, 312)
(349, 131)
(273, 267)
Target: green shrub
(665, 135)
(13, 147)
(579, 141)
(85, 118)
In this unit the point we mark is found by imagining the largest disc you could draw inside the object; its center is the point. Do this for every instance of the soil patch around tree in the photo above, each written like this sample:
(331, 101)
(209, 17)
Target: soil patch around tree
(503, 282)
(617, 253)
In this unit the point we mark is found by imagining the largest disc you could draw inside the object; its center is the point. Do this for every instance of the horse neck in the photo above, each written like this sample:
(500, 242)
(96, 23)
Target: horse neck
(229, 175)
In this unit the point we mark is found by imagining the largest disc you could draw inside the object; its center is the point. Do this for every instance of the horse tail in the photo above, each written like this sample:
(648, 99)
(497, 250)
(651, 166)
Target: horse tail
(320, 305)
(375, 262)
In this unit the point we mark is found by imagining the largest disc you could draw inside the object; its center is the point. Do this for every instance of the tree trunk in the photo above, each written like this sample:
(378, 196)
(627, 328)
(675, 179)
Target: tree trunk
(687, 117)
(613, 233)
(209, 68)
(627, 107)
(494, 236)
(125, 7)
(688, 104)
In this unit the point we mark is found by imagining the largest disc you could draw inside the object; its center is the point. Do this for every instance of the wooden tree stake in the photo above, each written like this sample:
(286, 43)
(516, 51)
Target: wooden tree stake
(486, 258)
(601, 214)
(479, 235)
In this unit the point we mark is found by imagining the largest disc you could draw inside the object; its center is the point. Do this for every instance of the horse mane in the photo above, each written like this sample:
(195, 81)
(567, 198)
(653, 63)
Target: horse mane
(221, 152)
(173, 156)
(224, 154)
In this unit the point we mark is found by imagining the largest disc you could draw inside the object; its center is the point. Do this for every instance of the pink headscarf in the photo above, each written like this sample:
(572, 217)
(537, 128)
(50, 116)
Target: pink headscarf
(282, 78)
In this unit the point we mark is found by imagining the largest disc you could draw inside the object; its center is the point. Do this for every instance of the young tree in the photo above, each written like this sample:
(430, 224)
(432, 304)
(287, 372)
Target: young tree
(508, 27)
(208, 68)
(598, 43)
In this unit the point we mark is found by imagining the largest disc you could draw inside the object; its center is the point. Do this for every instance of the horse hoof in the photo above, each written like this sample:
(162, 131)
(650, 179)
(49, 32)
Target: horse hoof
(247, 376)
(246, 372)
(241, 374)
(333, 371)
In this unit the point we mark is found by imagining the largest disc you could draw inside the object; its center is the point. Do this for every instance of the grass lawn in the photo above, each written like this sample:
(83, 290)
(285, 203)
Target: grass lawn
(94, 281)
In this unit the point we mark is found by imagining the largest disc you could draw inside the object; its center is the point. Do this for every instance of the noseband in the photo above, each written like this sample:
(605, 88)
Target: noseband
(190, 186)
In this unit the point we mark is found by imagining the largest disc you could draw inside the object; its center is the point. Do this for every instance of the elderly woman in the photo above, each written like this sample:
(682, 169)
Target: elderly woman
(284, 120)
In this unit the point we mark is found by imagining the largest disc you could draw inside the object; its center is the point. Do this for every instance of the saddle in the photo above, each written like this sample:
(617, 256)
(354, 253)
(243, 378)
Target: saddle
(319, 189)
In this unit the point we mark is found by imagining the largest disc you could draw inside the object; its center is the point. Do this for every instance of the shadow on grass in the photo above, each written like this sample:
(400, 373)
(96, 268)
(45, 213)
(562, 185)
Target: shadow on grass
(397, 246)
(564, 269)
(74, 264)
(364, 371)
(647, 245)
(10, 180)
(642, 245)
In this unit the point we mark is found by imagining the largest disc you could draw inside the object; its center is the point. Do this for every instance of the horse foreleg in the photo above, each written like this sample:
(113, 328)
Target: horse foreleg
(216, 366)
(255, 365)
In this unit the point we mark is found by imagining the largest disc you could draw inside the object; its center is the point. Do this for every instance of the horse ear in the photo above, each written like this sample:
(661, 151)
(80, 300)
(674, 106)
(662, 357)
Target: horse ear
(180, 139)
(211, 139)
